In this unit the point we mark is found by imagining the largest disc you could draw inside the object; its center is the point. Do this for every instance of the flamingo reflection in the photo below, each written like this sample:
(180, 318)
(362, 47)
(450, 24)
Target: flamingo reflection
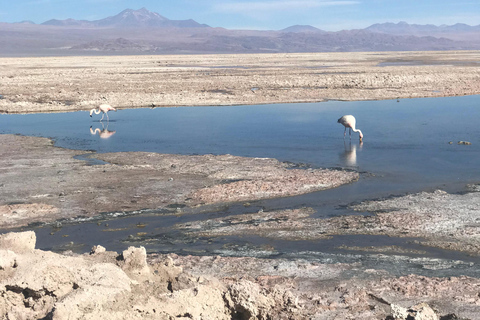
(104, 133)
(350, 154)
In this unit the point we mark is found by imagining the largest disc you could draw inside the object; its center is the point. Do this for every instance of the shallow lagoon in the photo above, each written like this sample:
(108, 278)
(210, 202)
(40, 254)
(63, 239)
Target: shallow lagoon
(405, 149)
(406, 141)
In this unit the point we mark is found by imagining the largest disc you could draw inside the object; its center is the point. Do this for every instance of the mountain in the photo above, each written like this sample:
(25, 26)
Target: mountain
(25, 22)
(145, 32)
(67, 22)
(133, 18)
(129, 18)
(363, 40)
(414, 29)
(115, 45)
(301, 28)
(144, 18)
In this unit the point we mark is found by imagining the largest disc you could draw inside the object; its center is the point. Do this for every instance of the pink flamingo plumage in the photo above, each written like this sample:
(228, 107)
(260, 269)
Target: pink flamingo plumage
(102, 108)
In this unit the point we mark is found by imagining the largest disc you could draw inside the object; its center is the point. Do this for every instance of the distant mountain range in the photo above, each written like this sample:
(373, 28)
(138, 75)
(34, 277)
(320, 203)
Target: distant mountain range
(145, 32)
(413, 29)
(130, 19)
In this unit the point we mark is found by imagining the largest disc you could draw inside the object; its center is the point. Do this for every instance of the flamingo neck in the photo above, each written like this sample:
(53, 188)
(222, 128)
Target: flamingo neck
(359, 131)
(97, 111)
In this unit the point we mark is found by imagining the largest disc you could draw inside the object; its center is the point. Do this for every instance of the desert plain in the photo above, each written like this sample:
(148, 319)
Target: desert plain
(41, 183)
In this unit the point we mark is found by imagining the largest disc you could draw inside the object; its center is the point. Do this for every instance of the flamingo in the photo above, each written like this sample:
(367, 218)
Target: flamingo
(102, 108)
(348, 121)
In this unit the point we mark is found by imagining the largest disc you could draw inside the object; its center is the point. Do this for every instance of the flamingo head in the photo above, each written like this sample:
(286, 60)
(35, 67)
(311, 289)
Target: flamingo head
(361, 136)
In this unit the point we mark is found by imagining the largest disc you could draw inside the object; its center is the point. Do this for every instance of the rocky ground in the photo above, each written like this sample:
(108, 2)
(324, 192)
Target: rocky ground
(36, 284)
(40, 182)
(442, 220)
(81, 83)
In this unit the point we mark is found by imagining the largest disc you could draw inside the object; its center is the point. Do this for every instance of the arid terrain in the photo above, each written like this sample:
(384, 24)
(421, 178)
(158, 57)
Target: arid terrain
(81, 83)
(40, 182)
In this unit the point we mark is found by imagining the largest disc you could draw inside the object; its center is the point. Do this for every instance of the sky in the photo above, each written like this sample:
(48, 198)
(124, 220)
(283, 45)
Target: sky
(329, 15)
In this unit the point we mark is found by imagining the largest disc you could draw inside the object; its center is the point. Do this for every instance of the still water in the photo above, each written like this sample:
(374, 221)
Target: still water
(406, 141)
(405, 149)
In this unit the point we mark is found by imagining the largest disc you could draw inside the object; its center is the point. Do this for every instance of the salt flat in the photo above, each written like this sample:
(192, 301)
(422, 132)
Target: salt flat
(81, 83)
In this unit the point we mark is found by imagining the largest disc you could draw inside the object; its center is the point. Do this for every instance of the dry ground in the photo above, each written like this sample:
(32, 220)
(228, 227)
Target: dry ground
(41, 182)
(81, 83)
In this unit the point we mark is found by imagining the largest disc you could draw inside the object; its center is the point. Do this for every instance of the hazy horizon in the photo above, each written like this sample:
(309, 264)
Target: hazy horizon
(257, 15)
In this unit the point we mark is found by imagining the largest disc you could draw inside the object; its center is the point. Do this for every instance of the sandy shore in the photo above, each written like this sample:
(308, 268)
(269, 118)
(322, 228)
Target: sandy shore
(81, 83)
(40, 182)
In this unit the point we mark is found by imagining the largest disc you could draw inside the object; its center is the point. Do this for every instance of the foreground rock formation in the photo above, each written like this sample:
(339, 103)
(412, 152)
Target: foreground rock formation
(36, 284)
(102, 285)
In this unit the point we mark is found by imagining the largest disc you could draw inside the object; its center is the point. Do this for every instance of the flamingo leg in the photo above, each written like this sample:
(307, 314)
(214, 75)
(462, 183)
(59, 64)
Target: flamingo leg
(107, 116)
(344, 132)
(350, 131)
(102, 116)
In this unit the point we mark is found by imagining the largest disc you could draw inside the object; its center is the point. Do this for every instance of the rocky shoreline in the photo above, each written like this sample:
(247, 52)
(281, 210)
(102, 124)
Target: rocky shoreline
(63, 187)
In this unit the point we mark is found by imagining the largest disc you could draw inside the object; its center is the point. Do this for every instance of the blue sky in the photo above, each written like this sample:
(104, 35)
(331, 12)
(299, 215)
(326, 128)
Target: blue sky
(330, 15)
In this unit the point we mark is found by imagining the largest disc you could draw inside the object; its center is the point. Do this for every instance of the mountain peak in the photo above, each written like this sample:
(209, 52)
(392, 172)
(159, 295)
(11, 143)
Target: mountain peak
(301, 28)
(66, 22)
(133, 18)
(129, 18)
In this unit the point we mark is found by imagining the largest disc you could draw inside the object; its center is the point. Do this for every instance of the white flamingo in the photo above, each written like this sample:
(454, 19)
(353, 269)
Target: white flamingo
(102, 108)
(348, 121)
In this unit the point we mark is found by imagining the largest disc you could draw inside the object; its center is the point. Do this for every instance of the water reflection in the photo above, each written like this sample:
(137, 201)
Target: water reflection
(104, 133)
(349, 157)
(299, 133)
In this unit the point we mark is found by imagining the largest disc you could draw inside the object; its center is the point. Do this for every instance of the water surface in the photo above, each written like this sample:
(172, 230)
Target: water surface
(406, 141)
(405, 149)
